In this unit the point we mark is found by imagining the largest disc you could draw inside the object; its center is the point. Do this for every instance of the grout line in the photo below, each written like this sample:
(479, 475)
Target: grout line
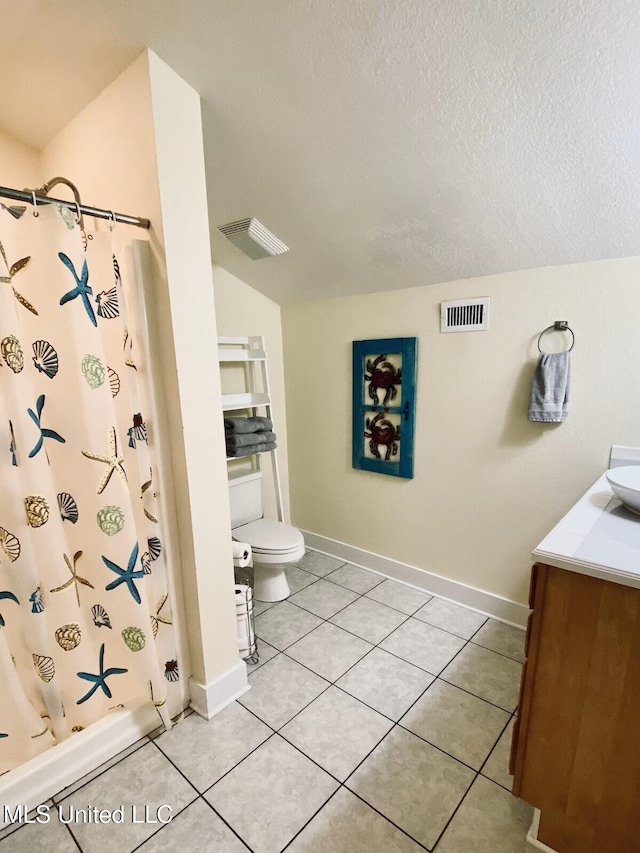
(366, 704)
(337, 583)
(226, 823)
(502, 654)
(327, 618)
(375, 645)
(393, 654)
(75, 840)
(244, 758)
(475, 695)
(164, 755)
(477, 631)
(9, 829)
(404, 660)
(500, 707)
(438, 676)
(395, 723)
(430, 596)
(277, 731)
(309, 758)
(314, 579)
(344, 785)
(155, 832)
(302, 828)
(484, 763)
(258, 665)
(411, 663)
(298, 638)
(324, 770)
(454, 813)
(388, 819)
(441, 749)
(346, 630)
(446, 630)
(97, 775)
(288, 657)
(477, 773)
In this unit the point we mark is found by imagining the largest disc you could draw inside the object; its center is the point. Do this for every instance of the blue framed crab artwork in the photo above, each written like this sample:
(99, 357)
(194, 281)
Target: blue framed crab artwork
(384, 391)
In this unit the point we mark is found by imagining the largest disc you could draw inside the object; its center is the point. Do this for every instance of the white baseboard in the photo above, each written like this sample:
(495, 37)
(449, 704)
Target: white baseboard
(38, 779)
(208, 699)
(492, 605)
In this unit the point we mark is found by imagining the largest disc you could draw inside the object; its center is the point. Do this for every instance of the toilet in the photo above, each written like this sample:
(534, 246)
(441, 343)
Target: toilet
(274, 544)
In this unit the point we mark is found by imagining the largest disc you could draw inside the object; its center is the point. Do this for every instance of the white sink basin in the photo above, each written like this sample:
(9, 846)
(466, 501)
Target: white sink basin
(625, 483)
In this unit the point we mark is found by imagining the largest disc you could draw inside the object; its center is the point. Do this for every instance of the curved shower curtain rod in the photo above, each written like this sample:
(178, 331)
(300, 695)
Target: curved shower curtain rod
(39, 196)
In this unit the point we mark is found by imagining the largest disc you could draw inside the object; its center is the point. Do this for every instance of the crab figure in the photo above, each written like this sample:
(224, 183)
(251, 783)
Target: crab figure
(382, 374)
(382, 432)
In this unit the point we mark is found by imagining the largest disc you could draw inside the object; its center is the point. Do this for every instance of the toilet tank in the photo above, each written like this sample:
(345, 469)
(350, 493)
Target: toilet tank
(245, 498)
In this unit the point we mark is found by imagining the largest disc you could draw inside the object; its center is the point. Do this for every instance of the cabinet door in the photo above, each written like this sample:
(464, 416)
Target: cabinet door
(577, 744)
(384, 379)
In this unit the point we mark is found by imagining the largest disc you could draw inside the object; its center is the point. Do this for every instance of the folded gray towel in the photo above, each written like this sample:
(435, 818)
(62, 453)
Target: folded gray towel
(247, 438)
(549, 398)
(249, 450)
(242, 425)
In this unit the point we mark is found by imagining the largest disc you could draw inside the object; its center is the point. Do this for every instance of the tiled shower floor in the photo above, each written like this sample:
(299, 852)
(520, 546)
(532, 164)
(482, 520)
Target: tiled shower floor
(379, 721)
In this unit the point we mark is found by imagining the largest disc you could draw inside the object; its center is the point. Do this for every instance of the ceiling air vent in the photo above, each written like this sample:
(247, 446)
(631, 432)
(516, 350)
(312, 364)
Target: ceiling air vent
(252, 238)
(465, 315)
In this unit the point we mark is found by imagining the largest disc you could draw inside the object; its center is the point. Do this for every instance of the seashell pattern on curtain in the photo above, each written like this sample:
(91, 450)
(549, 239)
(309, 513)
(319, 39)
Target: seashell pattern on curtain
(86, 620)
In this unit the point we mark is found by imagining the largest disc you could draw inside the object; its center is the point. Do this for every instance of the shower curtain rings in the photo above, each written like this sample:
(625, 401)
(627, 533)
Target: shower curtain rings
(35, 204)
(80, 223)
(112, 220)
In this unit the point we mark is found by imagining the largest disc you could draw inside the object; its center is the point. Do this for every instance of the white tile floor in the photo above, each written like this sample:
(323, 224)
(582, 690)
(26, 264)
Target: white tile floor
(379, 721)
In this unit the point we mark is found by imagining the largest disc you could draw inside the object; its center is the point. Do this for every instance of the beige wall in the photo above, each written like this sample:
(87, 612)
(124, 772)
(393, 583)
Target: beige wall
(19, 165)
(488, 485)
(240, 311)
(137, 148)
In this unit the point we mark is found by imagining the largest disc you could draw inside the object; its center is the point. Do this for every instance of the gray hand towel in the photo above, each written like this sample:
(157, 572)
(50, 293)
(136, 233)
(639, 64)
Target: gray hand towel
(249, 450)
(247, 438)
(550, 388)
(243, 425)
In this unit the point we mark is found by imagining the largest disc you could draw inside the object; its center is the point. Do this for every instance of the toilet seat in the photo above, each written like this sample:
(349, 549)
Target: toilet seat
(271, 541)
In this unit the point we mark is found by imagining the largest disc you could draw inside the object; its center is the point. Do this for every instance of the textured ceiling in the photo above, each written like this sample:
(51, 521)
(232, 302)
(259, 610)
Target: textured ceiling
(389, 143)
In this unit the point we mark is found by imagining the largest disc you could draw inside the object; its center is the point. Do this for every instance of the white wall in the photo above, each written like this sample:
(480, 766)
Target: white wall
(488, 484)
(241, 310)
(137, 148)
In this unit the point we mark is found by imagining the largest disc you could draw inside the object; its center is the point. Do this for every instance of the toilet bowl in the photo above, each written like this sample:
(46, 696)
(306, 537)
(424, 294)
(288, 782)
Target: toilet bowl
(274, 544)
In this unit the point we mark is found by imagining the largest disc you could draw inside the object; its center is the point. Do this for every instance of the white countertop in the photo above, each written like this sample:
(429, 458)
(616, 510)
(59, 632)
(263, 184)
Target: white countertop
(597, 537)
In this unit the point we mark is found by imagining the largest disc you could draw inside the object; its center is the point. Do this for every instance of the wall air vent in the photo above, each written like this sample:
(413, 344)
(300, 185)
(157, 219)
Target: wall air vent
(252, 238)
(465, 315)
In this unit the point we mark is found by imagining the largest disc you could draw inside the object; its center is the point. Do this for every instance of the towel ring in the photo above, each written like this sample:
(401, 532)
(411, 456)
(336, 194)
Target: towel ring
(558, 326)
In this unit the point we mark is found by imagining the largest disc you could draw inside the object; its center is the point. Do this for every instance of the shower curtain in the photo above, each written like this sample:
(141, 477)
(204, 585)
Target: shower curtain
(85, 613)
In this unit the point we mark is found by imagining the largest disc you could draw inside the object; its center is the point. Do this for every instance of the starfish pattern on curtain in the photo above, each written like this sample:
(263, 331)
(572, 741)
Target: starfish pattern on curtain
(83, 573)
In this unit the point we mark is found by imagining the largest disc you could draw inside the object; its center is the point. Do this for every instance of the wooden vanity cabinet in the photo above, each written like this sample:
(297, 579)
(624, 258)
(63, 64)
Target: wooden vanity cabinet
(575, 752)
